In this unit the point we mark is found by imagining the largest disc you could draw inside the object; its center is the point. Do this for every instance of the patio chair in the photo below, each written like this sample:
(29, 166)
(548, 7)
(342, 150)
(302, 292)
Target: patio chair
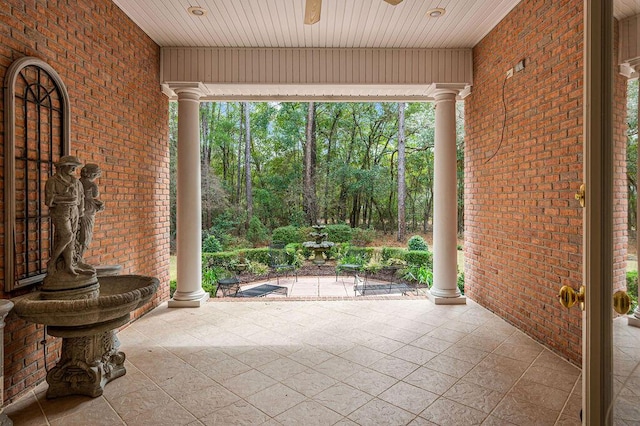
(280, 261)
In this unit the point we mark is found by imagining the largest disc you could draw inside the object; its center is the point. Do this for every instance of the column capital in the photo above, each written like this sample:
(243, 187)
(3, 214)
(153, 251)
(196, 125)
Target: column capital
(185, 90)
(448, 91)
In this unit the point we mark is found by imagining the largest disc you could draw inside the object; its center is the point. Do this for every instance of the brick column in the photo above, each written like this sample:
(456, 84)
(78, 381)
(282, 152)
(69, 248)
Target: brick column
(189, 293)
(445, 205)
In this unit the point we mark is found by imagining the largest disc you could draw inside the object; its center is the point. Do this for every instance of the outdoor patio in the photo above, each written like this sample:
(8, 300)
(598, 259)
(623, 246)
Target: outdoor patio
(361, 360)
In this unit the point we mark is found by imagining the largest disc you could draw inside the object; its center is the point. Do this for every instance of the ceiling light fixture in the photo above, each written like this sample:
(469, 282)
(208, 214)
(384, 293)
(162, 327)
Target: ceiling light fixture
(435, 13)
(197, 11)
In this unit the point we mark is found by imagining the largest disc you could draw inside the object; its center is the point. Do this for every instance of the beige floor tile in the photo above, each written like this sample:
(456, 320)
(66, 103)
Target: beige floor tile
(282, 368)
(133, 404)
(432, 344)
(408, 397)
(464, 353)
(370, 381)
(205, 401)
(430, 380)
(448, 335)
(309, 382)
(26, 411)
(474, 396)
(381, 413)
(488, 378)
(338, 368)
(449, 365)
(256, 357)
(523, 413)
(483, 343)
(521, 352)
(238, 413)
(555, 379)
(541, 395)
(170, 413)
(310, 356)
(342, 398)
(308, 413)
(248, 383)
(414, 354)
(394, 367)
(362, 355)
(495, 421)
(99, 414)
(185, 382)
(446, 412)
(275, 399)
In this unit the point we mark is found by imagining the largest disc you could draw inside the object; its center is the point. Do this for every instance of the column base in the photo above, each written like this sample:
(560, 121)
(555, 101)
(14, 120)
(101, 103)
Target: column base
(439, 300)
(633, 321)
(5, 421)
(194, 303)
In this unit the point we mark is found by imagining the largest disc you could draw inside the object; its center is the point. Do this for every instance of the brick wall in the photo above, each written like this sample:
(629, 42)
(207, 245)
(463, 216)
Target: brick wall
(119, 120)
(523, 227)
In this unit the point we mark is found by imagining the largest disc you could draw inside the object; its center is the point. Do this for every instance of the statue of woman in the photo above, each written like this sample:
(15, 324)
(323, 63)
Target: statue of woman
(92, 205)
(65, 198)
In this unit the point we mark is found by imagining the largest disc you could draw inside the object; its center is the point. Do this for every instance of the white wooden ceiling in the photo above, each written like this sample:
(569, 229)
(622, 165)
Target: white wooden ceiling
(343, 23)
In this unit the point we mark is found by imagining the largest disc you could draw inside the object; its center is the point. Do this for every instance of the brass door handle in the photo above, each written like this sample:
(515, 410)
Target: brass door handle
(569, 297)
(621, 302)
(581, 195)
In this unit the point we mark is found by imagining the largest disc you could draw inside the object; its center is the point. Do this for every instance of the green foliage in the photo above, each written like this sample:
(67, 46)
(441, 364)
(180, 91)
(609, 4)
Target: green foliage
(421, 274)
(362, 236)
(260, 255)
(393, 253)
(257, 232)
(419, 258)
(211, 245)
(354, 255)
(173, 286)
(417, 243)
(632, 288)
(460, 282)
(339, 233)
(224, 259)
(222, 226)
(257, 268)
(287, 234)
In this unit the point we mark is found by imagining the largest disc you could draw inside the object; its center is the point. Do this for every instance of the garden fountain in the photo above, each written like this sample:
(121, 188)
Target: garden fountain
(77, 305)
(319, 246)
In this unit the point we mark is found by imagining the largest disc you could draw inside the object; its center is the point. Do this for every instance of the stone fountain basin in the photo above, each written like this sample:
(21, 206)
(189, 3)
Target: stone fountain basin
(119, 295)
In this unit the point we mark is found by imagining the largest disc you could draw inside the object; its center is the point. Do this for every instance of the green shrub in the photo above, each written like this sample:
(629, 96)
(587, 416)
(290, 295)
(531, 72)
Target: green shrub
(419, 258)
(362, 237)
(224, 259)
(417, 243)
(339, 233)
(172, 287)
(257, 232)
(632, 288)
(354, 255)
(393, 253)
(260, 255)
(257, 268)
(211, 244)
(287, 234)
(461, 282)
(421, 274)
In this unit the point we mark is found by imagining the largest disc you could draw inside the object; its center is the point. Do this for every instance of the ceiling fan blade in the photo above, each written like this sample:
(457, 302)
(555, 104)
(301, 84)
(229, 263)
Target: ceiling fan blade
(312, 11)
(394, 2)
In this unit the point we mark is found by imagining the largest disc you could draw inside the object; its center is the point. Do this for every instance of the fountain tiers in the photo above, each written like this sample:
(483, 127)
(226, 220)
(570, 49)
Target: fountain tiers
(90, 357)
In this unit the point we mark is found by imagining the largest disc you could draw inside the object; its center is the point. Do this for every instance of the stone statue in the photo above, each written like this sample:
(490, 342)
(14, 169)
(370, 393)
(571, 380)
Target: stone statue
(64, 196)
(92, 205)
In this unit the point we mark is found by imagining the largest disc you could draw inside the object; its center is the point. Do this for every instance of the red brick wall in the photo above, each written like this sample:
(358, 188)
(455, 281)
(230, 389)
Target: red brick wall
(119, 120)
(523, 227)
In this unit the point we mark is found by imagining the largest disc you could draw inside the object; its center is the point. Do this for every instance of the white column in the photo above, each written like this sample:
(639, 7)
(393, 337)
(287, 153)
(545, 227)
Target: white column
(445, 205)
(189, 292)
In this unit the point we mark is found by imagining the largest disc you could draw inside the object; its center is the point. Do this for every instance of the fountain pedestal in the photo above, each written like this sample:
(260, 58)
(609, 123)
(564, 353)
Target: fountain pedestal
(90, 356)
(319, 245)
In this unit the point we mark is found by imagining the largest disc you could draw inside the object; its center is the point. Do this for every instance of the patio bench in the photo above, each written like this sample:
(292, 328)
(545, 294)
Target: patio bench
(228, 286)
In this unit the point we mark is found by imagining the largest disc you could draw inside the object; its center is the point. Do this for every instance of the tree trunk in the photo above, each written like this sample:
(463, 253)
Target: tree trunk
(247, 162)
(402, 189)
(309, 181)
(239, 180)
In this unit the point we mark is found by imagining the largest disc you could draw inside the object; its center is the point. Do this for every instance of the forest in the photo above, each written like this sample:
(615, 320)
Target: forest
(272, 164)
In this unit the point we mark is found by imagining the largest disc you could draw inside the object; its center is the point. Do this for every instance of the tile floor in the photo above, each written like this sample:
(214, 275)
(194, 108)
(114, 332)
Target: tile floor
(358, 361)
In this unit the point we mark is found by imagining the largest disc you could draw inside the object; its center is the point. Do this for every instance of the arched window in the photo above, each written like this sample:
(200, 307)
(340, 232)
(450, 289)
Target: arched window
(37, 123)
